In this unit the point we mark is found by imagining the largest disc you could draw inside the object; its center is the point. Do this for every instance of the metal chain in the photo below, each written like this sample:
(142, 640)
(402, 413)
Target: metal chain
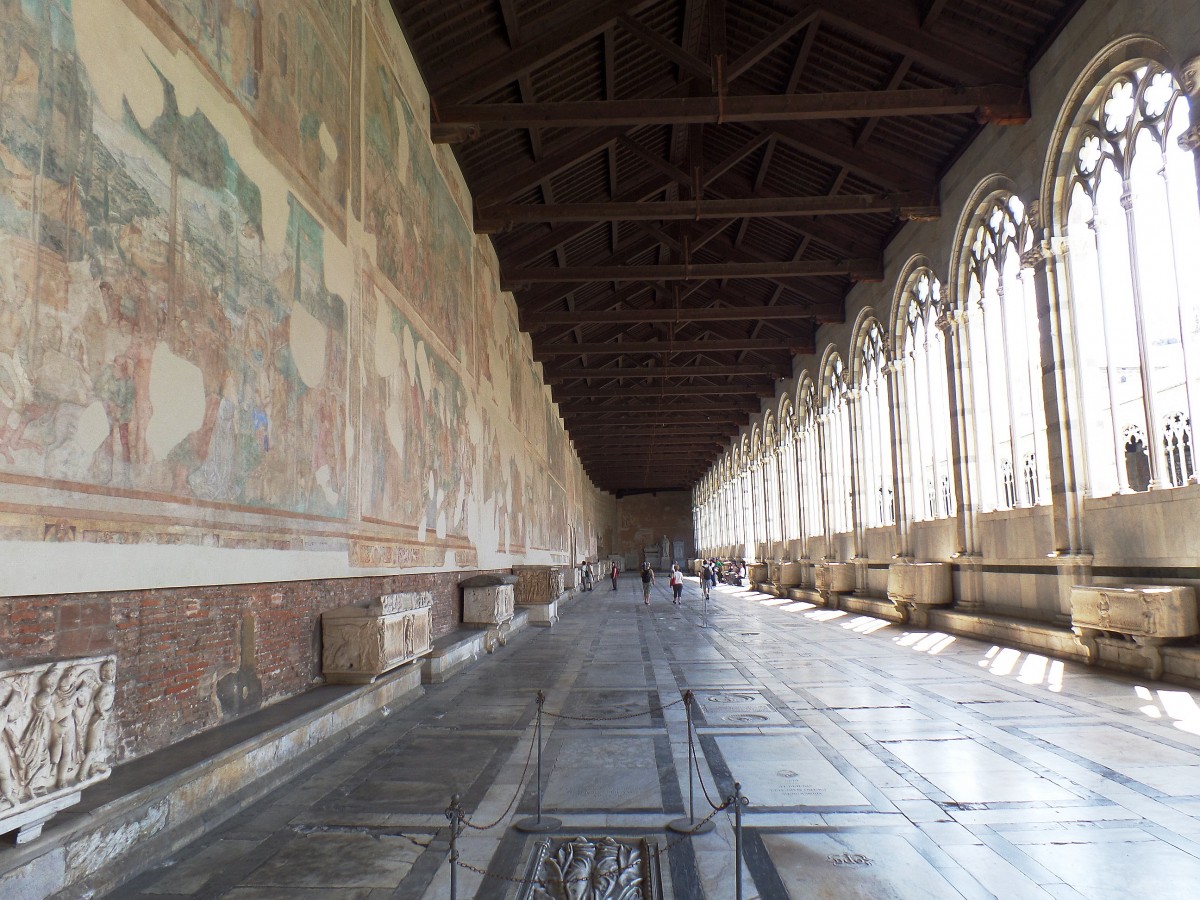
(665, 849)
(513, 801)
(653, 709)
(694, 761)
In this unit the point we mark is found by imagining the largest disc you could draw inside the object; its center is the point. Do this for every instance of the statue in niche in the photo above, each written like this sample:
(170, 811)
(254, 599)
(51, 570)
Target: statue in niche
(665, 550)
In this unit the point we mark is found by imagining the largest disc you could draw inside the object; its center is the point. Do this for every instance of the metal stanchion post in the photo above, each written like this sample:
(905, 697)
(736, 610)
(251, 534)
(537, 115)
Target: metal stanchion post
(455, 814)
(538, 824)
(706, 591)
(738, 802)
(690, 824)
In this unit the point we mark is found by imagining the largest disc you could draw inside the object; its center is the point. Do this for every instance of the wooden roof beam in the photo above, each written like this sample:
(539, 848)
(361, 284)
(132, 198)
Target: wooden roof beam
(633, 373)
(619, 348)
(1003, 104)
(870, 269)
(678, 390)
(823, 313)
(570, 25)
(906, 205)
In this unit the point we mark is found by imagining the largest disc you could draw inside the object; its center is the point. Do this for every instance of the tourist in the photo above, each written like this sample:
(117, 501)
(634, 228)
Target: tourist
(587, 575)
(647, 581)
(676, 585)
(614, 573)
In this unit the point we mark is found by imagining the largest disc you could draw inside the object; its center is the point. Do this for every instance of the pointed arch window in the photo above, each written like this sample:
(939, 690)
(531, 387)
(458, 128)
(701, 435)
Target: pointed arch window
(926, 397)
(835, 414)
(808, 460)
(875, 427)
(1133, 226)
(1010, 417)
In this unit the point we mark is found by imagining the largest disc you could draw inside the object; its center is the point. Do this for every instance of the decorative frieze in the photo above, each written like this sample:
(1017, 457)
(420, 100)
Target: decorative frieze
(1149, 614)
(360, 643)
(538, 584)
(54, 737)
(602, 868)
(913, 587)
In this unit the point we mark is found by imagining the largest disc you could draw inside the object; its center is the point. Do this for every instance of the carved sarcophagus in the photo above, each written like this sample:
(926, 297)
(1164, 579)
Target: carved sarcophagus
(757, 573)
(538, 584)
(54, 737)
(790, 574)
(360, 643)
(1150, 614)
(488, 599)
(914, 586)
(834, 577)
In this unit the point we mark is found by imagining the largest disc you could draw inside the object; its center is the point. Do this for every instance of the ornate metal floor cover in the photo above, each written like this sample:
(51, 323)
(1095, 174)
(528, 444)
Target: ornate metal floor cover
(593, 869)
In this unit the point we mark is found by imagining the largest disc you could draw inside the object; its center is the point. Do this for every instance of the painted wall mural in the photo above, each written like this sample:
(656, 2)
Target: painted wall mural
(201, 342)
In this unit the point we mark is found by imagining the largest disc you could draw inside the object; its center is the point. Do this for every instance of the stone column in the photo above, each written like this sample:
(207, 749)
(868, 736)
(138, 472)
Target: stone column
(958, 378)
(902, 487)
(1064, 437)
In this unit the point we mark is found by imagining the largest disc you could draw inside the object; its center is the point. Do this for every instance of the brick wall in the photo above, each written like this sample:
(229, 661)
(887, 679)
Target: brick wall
(644, 518)
(191, 658)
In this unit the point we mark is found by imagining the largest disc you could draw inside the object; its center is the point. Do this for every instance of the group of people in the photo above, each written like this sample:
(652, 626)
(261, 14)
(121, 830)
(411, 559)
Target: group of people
(722, 571)
(676, 583)
(587, 575)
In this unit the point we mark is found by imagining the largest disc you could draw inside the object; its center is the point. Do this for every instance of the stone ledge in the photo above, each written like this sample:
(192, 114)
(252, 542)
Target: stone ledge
(878, 607)
(453, 652)
(153, 805)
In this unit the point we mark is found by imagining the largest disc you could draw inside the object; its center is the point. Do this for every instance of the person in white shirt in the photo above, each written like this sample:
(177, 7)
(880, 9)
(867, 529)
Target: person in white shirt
(677, 584)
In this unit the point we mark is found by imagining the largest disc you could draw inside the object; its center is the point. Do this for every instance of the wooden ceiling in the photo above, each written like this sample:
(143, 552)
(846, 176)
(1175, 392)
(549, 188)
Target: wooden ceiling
(681, 191)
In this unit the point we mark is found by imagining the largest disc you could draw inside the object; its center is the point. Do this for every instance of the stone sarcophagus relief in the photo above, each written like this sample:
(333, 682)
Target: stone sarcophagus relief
(1149, 614)
(54, 737)
(488, 602)
(757, 573)
(538, 584)
(360, 643)
(913, 587)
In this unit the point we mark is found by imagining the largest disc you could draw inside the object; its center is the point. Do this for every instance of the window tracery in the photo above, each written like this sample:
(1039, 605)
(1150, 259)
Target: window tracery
(1132, 223)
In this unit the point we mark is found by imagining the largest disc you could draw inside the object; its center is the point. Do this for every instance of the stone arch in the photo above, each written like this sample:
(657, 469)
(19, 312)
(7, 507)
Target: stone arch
(1120, 56)
(987, 190)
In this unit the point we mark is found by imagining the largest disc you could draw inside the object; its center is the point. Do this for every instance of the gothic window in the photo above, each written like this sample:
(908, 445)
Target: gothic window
(926, 396)
(835, 413)
(1010, 418)
(875, 430)
(1133, 226)
(808, 452)
(789, 472)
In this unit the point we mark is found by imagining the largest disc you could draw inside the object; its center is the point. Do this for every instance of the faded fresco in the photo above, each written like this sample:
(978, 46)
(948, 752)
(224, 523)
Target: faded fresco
(287, 63)
(420, 447)
(423, 245)
(149, 339)
(192, 352)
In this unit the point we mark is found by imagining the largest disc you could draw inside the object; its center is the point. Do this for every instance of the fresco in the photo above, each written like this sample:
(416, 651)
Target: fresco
(423, 245)
(422, 459)
(191, 349)
(149, 339)
(287, 64)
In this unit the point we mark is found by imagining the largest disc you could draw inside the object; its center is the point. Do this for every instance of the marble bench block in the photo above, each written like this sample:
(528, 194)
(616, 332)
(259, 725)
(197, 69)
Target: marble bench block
(362, 642)
(757, 573)
(791, 574)
(1149, 614)
(54, 737)
(914, 587)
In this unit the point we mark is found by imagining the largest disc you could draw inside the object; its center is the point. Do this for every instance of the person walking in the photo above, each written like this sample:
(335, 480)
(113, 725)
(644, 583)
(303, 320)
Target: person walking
(647, 581)
(706, 577)
(676, 585)
(614, 573)
(587, 575)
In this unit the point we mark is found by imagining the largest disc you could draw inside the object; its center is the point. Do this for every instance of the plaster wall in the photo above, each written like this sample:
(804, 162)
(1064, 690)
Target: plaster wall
(254, 363)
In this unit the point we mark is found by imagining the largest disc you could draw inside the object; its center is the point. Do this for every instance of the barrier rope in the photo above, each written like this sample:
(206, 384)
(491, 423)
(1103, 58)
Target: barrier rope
(649, 711)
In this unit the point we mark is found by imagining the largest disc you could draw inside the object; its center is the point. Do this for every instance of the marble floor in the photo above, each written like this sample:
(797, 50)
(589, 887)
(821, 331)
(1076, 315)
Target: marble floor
(878, 762)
